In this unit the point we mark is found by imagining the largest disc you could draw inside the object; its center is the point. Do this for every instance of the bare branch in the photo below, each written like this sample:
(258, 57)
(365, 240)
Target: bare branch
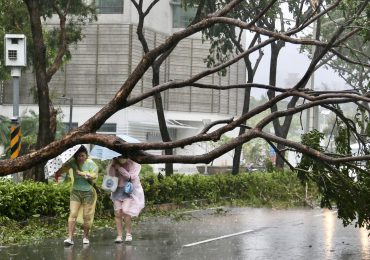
(152, 4)
(212, 124)
(62, 40)
(349, 60)
(330, 44)
(264, 11)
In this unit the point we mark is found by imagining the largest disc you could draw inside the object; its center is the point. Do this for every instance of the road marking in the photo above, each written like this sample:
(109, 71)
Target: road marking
(217, 238)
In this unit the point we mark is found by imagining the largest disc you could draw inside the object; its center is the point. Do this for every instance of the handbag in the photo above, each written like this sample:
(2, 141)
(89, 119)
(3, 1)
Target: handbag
(129, 187)
(110, 183)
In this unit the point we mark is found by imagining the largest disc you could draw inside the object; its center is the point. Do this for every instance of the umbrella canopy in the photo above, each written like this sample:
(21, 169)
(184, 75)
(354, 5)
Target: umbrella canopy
(103, 153)
(53, 165)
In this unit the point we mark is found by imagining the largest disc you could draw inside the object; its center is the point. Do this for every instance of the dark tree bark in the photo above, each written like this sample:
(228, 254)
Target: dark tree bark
(238, 150)
(246, 104)
(162, 120)
(47, 113)
(279, 130)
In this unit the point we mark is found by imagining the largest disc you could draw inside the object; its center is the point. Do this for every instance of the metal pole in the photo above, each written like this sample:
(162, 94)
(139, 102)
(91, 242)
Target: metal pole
(70, 113)
(15, 94)
(64, 98)
(15, 140)
(308, 119)
(315, 110)
(312, 118)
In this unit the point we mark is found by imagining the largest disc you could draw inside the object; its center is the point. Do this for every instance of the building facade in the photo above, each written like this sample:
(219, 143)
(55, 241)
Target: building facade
(108, 54)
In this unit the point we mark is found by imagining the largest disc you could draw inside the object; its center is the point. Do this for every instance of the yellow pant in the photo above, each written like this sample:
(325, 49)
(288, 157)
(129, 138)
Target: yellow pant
(84, 199)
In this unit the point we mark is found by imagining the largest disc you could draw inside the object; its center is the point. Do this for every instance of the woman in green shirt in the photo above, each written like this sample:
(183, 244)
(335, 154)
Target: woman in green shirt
(83, 171)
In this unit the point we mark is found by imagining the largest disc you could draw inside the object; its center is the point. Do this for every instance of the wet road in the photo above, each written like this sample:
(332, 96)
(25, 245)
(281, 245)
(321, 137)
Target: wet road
(239, 233)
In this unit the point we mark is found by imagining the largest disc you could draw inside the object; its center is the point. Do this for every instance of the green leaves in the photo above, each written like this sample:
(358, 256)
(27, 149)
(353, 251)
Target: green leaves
(342, 140)
(256, 189)
(342, 186)
(308, 166)
(18, 201)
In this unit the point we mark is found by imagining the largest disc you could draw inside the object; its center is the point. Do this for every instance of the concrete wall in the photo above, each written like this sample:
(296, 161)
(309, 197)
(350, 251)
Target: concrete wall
(107, 55)
(159, 19)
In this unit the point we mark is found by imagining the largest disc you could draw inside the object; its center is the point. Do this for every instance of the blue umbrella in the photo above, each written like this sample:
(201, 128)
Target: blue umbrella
(103, 153)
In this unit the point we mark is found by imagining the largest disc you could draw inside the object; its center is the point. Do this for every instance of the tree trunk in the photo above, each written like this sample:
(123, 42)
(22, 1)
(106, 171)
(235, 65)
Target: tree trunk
(275, 49)
(162, 120)
(246, 104)
(238, 150)
(47, 114)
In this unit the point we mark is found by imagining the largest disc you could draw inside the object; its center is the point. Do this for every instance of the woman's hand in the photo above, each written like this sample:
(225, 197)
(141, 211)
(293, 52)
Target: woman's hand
(127, 177)
(84, 174)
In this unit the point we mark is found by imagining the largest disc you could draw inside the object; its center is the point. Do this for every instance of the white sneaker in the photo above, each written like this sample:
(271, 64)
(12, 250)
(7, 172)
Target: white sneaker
(85, 241)
(118, 240)
(68, 242)
(128, 238)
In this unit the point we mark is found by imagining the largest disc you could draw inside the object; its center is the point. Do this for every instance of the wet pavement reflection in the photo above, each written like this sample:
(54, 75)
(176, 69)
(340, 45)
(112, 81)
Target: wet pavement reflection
(231, 233)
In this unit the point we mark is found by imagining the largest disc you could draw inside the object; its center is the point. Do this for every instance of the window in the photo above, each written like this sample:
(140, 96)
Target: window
(155, 136)
(74, 125)
(109, 6)
(181, 17)
(108, 128)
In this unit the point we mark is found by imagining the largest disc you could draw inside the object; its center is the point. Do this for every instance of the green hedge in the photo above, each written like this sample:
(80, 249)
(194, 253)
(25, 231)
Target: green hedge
(23, 200)
(264, 187)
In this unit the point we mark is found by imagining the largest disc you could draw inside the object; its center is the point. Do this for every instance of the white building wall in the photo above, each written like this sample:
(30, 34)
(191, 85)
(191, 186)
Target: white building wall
(161, 23)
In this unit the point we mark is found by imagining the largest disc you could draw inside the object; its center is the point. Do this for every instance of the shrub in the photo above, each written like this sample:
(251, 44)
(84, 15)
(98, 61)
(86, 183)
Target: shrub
(24, 200)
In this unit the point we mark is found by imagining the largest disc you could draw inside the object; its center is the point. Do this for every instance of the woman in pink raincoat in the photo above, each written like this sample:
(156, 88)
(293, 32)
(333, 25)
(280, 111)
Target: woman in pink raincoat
(126, 205)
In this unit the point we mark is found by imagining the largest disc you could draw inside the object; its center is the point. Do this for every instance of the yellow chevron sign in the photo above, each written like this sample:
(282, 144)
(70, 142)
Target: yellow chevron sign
(15, 140)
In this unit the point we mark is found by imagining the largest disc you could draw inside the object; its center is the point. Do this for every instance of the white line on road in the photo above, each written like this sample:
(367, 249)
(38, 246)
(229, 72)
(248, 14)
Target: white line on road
(217, 238)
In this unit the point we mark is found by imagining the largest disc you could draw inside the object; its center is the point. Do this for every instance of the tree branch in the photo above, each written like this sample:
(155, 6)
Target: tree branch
(63, 47)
